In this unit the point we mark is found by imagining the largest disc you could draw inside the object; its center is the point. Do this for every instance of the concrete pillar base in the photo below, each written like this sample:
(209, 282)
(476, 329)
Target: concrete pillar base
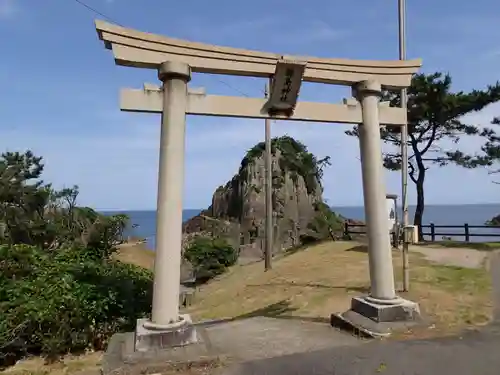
(396, 310)
(378, 319)
(377, 301)
(149, 336)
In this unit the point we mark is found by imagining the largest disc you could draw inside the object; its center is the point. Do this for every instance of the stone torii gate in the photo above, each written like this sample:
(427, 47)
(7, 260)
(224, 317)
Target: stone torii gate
(175, 60)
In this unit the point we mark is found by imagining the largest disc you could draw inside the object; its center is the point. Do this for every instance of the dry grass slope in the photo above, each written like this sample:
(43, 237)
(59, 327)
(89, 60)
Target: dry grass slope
(135, 253)
(321, 280)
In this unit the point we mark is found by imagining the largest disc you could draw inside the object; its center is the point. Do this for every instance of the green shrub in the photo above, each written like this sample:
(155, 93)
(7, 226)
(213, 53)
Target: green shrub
(70, 300)
(210, 257)
(59, 290)
(325, 224)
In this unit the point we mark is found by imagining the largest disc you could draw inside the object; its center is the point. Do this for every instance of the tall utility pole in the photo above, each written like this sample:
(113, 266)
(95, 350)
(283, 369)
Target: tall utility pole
(269, 192)
(404, 147)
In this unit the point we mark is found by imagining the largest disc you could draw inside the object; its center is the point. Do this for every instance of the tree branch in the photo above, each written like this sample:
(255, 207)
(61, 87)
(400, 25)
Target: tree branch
(411, 173)
(431, 139)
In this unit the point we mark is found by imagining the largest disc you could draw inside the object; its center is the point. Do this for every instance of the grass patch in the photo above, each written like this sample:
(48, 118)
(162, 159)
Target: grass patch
(90, 364)
(322, 279)
(481, 246)
(135, 253)
(456, 279)
(307, 281)
(452, 298)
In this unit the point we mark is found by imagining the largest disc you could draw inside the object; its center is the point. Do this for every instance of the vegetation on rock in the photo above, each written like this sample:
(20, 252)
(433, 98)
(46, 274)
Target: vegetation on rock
(325, 224)
(59, 289)
(294, 159)
(434, 115)
(494, 221)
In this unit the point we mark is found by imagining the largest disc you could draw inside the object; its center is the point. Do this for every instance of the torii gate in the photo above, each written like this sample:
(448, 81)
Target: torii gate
(175, 60)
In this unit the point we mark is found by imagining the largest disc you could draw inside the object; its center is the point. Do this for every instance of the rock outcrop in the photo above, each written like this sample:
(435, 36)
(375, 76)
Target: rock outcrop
(238, 210)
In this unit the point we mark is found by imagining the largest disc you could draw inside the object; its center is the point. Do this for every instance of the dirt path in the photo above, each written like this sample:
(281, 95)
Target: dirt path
(452, 256)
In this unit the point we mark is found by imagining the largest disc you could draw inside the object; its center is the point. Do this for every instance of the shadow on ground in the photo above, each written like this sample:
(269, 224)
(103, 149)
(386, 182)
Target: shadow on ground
(278, 310)
(358, 249)
(358, 289)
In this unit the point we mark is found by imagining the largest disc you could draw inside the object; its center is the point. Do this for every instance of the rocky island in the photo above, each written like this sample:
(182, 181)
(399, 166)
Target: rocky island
(237, 212)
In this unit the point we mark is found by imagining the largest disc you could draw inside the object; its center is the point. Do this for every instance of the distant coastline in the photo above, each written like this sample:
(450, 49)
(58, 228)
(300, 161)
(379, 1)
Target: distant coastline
(497, 204)
(473, 214)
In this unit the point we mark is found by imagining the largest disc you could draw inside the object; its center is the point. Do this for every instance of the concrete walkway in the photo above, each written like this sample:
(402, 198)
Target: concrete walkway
(475, 352)
(262, 337)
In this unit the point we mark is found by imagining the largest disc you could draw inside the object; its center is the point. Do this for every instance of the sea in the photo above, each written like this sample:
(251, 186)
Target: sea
(473, 214)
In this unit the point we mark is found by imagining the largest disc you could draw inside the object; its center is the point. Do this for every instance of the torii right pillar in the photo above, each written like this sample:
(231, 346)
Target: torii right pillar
(382, 310)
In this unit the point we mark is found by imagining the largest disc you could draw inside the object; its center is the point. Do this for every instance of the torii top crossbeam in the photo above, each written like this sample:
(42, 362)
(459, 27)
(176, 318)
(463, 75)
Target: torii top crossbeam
(145, 50)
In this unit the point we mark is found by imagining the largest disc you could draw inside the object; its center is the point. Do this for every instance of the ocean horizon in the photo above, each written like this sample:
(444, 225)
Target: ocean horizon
(472, 214)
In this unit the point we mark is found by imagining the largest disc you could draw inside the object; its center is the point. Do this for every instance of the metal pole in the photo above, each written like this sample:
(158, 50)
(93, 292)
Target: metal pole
(269, 192)
(404, 147)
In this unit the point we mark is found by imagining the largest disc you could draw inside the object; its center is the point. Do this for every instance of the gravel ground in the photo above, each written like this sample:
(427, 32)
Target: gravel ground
(452, 256)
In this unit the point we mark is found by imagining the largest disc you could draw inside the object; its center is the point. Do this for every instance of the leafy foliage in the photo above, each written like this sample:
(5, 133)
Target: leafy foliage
(65, 301)
(59, 289)
(325, 223)
(491, 150)
(33, 213)
(435, 115)
(210, 257)
(295, 158)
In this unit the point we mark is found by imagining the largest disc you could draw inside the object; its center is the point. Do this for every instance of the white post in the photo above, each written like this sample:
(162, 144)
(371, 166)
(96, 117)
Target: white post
(175, 76)
(269, 192)
(379, 247)
(404, 147)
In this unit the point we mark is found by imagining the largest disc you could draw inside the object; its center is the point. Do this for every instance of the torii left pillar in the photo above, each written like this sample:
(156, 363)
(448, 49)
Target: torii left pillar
(167, 328)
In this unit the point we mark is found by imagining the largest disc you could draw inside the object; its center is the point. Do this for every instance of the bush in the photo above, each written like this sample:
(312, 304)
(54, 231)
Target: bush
(210, 257)
(70, 300)
(59, 290)
(325, 224)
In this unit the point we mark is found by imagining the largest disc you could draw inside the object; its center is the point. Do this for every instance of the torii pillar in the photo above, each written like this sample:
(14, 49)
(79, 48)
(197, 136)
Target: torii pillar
(376, 313)
(167, 328)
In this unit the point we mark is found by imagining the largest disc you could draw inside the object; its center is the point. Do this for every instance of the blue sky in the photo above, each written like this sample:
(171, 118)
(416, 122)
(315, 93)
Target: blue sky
(60, 88)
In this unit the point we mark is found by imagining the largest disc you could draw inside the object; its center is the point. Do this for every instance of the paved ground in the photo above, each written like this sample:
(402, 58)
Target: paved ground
(472, 353)
(263, 337)
(476, 354)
